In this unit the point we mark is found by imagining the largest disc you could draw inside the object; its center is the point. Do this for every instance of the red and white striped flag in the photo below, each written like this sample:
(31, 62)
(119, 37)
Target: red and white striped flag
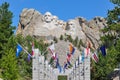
(95, 57)
(32, 48)
(52, 49)
(87, 52)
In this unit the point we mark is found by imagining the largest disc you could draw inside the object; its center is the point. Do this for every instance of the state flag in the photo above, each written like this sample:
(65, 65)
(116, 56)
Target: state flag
(19, 49)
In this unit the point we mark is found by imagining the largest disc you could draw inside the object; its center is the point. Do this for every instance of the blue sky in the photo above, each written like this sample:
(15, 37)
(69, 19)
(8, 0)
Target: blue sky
(64, 9)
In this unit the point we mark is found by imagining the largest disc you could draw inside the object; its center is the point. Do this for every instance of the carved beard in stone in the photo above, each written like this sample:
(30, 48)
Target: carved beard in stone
(48, 17)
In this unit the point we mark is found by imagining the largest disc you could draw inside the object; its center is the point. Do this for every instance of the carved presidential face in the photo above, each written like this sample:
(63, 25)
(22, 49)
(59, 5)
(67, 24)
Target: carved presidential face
(48, 17)
(55, 20)
(72, 26)
(61, 24)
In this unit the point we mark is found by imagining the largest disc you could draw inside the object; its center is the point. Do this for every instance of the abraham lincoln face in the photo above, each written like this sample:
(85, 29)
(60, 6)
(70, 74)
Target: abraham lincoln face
(72, 26)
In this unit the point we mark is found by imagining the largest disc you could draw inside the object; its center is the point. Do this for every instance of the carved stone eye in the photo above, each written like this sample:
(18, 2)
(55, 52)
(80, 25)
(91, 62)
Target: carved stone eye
(70, 24)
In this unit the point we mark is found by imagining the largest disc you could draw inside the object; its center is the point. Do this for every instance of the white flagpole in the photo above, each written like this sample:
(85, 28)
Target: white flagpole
(44, 52)
(25, 50)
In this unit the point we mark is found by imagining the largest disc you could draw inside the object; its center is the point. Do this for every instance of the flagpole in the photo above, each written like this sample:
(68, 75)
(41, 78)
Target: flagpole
(44, 52)
(25, 50)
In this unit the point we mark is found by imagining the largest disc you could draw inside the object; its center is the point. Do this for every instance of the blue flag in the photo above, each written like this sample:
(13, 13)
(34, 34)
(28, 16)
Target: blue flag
(57, 62)
(69, 62)
(82, 56)
(58, 66)
(28, 58)
(103, 50)
(73, 50)
(19, 49)
(60, 69)
(65, 65)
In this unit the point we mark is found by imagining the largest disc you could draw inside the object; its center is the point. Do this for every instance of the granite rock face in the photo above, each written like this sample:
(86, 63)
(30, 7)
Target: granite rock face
(48, 26)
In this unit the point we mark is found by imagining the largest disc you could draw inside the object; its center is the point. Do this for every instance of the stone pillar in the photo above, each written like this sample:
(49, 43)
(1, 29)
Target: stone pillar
(35, 63)
(41, 68)
(87, 68)
(46, 71)
(81, 71)
(77, 70)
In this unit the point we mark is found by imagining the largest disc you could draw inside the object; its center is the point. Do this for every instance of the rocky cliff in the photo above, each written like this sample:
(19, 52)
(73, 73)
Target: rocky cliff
(48, 26)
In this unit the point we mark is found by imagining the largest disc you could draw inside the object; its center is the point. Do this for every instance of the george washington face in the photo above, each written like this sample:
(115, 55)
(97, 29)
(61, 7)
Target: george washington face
(48, 17)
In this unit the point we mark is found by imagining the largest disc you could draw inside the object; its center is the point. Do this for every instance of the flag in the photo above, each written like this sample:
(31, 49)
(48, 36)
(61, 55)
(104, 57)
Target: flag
(71, 49)
(87, 51)
(95, 57)
(58, 65)
(55, 56)
(88, 45)
(32, 49)
(68, 58)
(68, 61)
(68, 55)
(60, 68)
(19, 49)
(82, 57)
(103, 50)
(52, 49)
(57, 62)
(65, 65)
(28, 58)
(79, 59)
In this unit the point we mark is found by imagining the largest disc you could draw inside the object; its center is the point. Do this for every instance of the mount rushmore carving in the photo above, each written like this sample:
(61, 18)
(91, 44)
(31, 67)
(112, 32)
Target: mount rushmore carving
(47, 26)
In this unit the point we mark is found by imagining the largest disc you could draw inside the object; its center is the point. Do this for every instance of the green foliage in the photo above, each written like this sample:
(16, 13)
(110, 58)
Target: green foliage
(12, 68)
(62, 77)
(80, 43)
(116, 2)
(75, 42)
(55, 39)
(51, 61)
(41, 46)
(6, 30)
(107, 64)
(9, 65)
(61, 37)
(69, 38)
(24, 68)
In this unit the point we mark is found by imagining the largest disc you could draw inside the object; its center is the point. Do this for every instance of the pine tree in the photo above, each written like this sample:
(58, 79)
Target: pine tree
(6, 30)
(76, 41)
(55, 39)
(116, 2)
(107, 64)
(9, 65)
(69, 38)
(61, 37)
